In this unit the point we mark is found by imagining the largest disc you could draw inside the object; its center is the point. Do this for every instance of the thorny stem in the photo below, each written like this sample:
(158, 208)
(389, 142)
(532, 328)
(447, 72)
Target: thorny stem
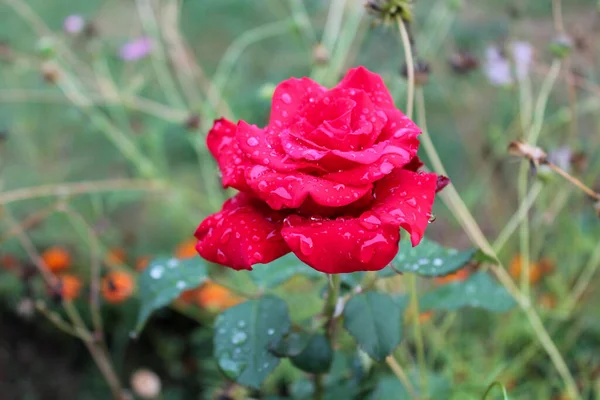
(452, 199)
(410, 67)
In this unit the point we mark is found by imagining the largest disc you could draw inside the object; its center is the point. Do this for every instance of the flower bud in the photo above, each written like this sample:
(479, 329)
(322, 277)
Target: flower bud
(390, 10)
(146, 384)
(320, 54)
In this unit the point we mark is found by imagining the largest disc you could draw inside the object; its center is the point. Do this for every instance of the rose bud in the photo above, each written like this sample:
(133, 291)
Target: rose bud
(332, 178)
(421, 72)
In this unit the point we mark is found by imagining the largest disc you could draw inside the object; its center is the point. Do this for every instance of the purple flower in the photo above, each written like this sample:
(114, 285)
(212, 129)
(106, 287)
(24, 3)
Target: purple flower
(74, 24)
(136, 49)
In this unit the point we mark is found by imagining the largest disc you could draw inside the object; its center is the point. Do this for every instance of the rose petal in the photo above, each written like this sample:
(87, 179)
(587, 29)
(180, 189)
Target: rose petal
(290, 97)
(405, 198)
(363, 79)
(281, 190)
(245, 232)
(369, 173)
(342, 245)
(223, 145)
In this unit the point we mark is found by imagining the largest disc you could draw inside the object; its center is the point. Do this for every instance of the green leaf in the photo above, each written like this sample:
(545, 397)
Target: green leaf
(243, 335)
(390, 387)
(480, 290)
(164, 280)
(374, 320)
(290, 345)
(428, 259)
(281, 270)
(316, 357)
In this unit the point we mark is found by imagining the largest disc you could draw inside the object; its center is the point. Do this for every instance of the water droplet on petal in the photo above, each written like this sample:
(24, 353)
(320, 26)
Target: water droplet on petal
(283, 193)
(272, 234)
(221, 256)
(286, 98)
(311, 154)
(367, 250)
(386, 167)
(255, 238)
(339, 187)
(257, 171)
(369, 221)
(257, 256)
(411, 202)
(225, 236)
(306, 245)
(252, 141)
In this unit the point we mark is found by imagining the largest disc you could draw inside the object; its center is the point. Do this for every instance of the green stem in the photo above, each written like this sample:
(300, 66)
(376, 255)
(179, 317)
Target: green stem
(491, 387)
(333, 293)
(414, 307)
(410, 67)
(524, 231)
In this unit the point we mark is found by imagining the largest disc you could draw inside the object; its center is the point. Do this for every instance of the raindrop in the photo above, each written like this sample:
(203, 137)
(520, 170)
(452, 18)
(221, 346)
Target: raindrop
(225, 236)
(239, 337)
(411, 202)
(157, 272)
(241, 323)
(367, 250)
(222, 331)
(306, 245)
(438, 262)
(172, 263)
(272, 234)
(255, 238)
(262, 185)
(286, 98)
(252, 141)
(370, 221)
(283, 193)
(386, 167)
(339, 187)
(257, 256)
(424, 261)
(221, 256)
(257, 171)
(270, 332)
(181, 285)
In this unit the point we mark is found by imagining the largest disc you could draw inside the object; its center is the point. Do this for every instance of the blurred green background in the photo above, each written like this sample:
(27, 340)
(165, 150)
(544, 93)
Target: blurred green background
(72, 111)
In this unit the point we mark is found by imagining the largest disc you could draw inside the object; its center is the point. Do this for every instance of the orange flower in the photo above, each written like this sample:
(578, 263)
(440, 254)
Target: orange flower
(70, 286)
(115, 256)
(216, 297)
(186, 249)
(142, 263)
(536, 269)
(426, 316)
(117, 286)
(457, 276)
(188, 296)
(56, 258)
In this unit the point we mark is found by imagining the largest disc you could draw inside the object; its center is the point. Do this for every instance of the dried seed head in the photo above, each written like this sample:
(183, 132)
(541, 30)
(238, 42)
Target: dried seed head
(320, 54)
(534, 154)
(388, 11)
(422, 71)
(50, 72)
(146, 384)
(192, 123)
(463, 62)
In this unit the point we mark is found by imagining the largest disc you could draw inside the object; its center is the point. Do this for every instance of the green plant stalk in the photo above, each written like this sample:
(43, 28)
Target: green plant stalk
(233, 53)
(518, 216)
(410, 67)
(333, 293)
(524, 241)
(491, 387)
(164, 76)
(465, 218)
(414, 307)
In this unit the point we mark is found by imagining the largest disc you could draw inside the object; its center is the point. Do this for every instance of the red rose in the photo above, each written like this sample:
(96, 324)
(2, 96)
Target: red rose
(332, 178)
